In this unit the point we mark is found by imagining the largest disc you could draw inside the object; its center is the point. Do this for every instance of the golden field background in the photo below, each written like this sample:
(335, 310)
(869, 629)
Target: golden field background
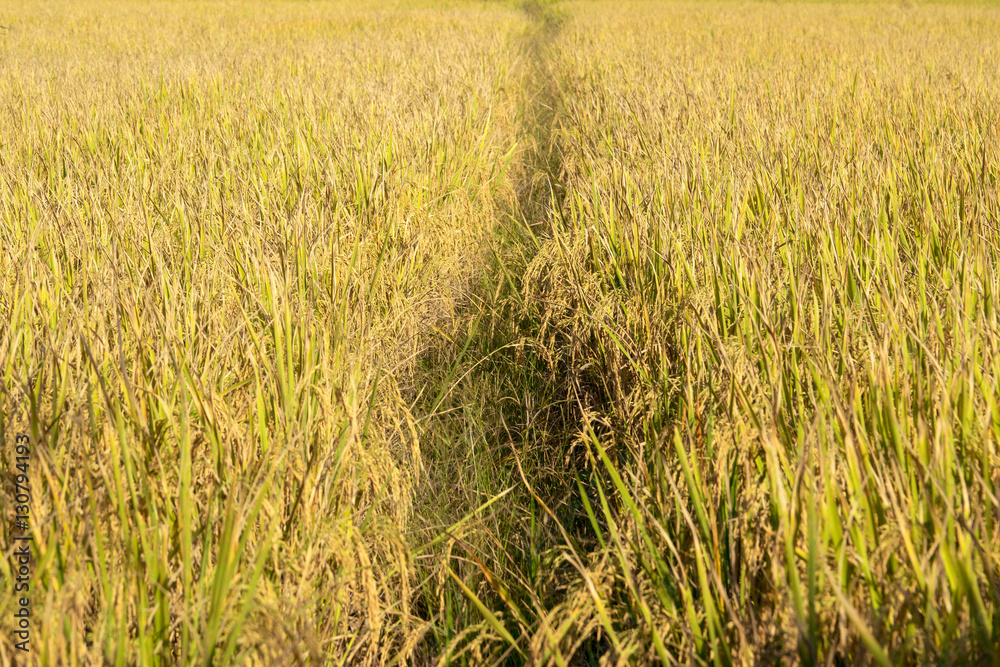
(453, 333)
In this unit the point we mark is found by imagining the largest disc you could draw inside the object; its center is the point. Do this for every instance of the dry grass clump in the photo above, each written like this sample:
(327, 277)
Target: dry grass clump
(227, 232)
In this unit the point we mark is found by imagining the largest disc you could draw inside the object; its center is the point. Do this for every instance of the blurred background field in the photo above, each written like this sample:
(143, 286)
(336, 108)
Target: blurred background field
(456, 333)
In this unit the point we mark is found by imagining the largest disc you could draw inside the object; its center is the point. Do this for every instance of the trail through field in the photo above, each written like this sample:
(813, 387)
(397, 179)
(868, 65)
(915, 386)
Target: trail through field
(493, 407)
(539, 184)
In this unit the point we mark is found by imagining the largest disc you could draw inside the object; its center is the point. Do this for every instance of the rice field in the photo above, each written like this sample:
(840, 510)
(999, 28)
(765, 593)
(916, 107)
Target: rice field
(486, 333)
